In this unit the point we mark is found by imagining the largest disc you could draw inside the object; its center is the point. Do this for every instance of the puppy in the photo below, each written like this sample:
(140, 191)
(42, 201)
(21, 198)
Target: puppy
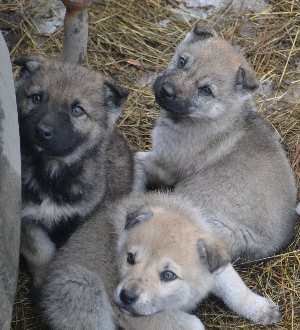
(72, 154)
(166, 261)
(211, 145)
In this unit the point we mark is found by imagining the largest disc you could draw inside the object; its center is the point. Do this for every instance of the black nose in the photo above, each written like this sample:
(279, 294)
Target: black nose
(166, 90)
(128, 297)
(44, 131)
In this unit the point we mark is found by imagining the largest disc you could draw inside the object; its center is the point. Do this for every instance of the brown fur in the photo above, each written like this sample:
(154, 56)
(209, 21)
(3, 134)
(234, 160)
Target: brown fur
(70, 162)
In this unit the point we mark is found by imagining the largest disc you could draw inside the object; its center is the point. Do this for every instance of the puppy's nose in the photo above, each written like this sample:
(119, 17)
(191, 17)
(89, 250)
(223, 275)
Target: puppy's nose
(44, 131)
(128, 297)
(166, 90)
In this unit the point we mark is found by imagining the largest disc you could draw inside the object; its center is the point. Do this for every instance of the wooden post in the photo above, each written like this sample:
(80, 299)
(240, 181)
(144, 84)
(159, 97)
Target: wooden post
(75, 30)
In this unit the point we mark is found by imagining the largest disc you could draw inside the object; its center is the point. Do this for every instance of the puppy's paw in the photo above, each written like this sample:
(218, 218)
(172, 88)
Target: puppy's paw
(192, 322)
(264, 312)
(141, 156)
(140, 176)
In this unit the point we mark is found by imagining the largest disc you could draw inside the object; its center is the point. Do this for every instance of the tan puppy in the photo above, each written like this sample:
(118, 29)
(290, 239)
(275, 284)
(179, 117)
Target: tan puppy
(167, 262)
(211, 145)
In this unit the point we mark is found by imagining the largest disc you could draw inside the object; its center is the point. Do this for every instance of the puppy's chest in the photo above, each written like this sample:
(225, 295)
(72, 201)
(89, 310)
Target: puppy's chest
(174, 145)
(64, 188)
(191, 149)
(50, 199)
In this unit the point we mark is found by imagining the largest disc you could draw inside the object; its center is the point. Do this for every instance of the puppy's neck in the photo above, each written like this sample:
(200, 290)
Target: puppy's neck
(49, 168)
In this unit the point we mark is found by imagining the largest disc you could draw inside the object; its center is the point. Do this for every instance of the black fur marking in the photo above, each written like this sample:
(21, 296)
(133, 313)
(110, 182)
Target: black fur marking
(64, 139)
(63, 231)
(176, 108)
(114, 95)
(174, 105)
(29, 64)
(63, 187)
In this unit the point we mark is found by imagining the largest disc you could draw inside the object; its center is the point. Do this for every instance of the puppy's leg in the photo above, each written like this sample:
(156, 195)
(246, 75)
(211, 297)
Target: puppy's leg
(73, 297)
(238, 297)
(167, 320)
(37, 248)
(149, 171)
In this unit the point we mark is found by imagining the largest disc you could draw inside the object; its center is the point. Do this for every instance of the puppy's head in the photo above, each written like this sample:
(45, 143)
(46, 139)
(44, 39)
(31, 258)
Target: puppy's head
(206, 77)
(165, 262)
(63, 107)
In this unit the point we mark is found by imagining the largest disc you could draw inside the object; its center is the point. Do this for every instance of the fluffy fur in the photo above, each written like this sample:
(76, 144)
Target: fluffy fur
(72, 154)
(153, 234)
(211, 145)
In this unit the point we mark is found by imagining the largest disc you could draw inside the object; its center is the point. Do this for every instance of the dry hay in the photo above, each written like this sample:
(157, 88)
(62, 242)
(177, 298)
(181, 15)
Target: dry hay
(127, 42)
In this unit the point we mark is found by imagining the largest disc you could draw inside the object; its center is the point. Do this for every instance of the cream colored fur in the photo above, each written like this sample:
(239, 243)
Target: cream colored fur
(164, 232)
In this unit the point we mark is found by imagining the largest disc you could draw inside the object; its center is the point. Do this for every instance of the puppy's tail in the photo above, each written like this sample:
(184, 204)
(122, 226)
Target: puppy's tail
(298, 208)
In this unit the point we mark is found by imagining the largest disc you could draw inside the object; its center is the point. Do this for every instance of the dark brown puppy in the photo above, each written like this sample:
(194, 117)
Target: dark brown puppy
(73, 158)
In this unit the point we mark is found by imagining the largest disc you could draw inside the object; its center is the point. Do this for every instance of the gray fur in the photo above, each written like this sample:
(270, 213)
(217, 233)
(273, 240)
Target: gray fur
(219, 152)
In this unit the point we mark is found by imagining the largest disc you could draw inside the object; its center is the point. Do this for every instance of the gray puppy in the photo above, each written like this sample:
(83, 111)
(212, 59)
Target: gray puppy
(212, 146)
(72, 153)
(153, 256)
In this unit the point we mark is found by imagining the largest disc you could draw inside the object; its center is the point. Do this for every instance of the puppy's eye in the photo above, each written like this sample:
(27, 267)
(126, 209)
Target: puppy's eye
(205, 90)
(36, 98)
(181, 62)
(168, 276)
(78, 111)
(130, 258)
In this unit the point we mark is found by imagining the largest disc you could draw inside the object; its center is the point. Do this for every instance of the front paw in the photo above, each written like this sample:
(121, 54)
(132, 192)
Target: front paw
(140, 176)
(192, 322)
(264, 312)
(141, 156)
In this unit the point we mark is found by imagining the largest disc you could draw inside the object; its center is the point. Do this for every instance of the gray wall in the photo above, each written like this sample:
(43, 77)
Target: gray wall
(10, 189)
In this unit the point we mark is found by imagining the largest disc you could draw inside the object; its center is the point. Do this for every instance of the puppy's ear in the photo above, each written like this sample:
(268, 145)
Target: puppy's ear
(114, 98)
(115, 95)
(202, 32)
(245, 79)
(29, 64)
(213, 254)
(138, 216)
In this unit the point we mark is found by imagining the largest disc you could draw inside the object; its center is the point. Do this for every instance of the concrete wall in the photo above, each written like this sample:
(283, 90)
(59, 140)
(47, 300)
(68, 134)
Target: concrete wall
(10, 189)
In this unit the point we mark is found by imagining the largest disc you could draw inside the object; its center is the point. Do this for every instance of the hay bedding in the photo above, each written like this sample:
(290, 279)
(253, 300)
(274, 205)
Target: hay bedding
(128, 40)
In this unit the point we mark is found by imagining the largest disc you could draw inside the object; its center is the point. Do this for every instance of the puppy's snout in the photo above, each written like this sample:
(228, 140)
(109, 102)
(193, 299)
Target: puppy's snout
(128, 297)
(166, 90)
(44, 131)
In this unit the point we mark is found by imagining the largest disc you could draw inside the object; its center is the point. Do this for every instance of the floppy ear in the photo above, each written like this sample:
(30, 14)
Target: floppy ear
(114, 98)
(29, 64)
(245, 79)
(137, 217)
(202, 32)
(213, 254)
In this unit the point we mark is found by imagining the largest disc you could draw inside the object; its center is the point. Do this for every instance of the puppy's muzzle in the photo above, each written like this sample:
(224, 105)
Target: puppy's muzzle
(128, 297)
(166, 91)
(44, 131)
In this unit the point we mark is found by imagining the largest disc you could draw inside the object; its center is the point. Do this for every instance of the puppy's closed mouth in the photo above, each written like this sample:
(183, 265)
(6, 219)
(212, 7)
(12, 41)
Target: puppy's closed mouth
(129, 313)
(132, 313)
